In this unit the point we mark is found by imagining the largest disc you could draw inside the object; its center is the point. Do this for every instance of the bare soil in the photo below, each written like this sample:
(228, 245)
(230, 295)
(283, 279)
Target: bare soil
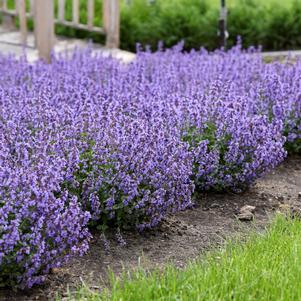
(180, 238)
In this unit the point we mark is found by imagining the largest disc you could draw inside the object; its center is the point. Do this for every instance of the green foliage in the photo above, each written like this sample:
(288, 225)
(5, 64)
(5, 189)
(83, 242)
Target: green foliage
(294, 148)
(206, 143)
(265, 267)
(283, 27)
(169, 21)
(194, 136)
(273, 24)
(103, 216)
(245, 20)
(275, 27)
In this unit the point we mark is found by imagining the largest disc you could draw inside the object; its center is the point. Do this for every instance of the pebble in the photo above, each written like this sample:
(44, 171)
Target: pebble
(246, 216)
(246, 213)
(247, 209)
(54, 270)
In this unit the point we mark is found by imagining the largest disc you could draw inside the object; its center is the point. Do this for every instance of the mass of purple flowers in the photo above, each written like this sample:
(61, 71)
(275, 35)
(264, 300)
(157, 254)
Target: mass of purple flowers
(89, 141)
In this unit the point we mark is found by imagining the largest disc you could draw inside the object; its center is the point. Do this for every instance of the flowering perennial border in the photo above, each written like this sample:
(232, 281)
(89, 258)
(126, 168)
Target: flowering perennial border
(90, 141)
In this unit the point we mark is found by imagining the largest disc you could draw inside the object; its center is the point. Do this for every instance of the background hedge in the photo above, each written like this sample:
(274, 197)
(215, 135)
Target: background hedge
(274, 24)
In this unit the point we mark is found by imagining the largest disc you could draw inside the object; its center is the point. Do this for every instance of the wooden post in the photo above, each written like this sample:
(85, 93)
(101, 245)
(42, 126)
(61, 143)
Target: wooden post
(23, 21)
(75, 11)
(111, 22)
(31, 7)
(61, 10)
(90, 13)
(44, 28)
(32, 15)
(105, 8)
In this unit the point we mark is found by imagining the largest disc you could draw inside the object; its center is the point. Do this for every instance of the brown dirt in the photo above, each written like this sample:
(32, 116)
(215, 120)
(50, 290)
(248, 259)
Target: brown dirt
(181, 237)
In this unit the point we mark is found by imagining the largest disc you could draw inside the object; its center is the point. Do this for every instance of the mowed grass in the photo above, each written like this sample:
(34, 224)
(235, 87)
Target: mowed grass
(265, 267)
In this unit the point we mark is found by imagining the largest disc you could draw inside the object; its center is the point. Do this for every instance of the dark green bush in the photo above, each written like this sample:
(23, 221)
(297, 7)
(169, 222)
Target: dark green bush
(275, 26)
(169, 21)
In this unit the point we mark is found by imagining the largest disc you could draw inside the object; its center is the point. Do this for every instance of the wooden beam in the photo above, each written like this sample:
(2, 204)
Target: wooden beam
(61, 10)
(90, 13)
(105, 8)
(75, 11)
(31, 8)
(23, 21)
(80, 26)
(111, 22)
(32, 15)
(44, 28)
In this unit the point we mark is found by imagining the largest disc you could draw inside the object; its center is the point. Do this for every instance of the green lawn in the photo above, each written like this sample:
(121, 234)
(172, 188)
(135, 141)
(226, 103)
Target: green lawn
(266, 267)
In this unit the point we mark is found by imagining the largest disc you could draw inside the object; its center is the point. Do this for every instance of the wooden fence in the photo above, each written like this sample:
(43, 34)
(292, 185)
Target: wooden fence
(43, 14)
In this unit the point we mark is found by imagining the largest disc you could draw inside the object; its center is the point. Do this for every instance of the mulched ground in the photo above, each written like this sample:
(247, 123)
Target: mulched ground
(180, 238)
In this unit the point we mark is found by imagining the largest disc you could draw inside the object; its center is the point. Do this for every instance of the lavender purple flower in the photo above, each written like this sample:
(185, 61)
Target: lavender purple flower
(89, 140)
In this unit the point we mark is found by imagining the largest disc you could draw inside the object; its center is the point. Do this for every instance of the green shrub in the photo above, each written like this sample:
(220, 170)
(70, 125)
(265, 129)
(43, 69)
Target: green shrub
(170, 22)
(249, 21)
(273, 24)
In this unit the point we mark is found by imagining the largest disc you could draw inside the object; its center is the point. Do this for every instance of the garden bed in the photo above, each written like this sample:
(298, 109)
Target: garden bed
(94, 151)
(180, 238)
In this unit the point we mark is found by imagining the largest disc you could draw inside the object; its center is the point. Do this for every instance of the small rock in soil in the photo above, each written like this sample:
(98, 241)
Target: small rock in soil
(299, 195)
(246, 216)
(54, 270)
(247, 209)
(214, 205)
(246, 213)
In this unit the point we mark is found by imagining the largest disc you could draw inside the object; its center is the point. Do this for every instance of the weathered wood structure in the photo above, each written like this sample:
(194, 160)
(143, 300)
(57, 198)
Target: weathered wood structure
(42, 12)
